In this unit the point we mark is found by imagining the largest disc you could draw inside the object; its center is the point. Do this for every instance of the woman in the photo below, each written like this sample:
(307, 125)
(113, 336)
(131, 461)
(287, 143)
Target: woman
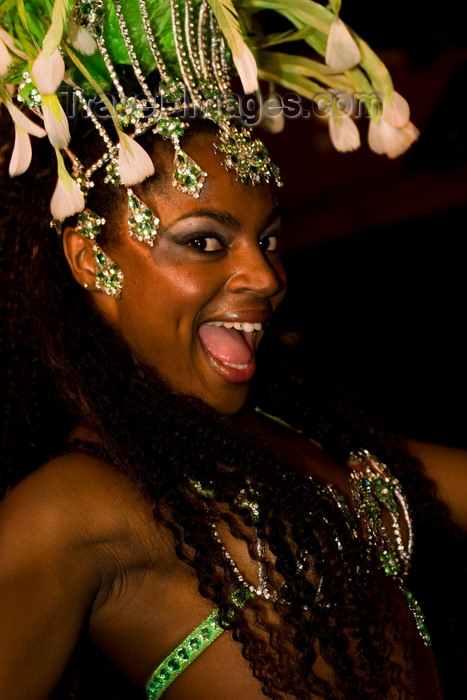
(206, 548)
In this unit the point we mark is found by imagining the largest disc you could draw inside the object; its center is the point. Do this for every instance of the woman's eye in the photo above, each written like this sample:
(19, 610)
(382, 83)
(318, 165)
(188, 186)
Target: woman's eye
(269, 243)
(207, 244)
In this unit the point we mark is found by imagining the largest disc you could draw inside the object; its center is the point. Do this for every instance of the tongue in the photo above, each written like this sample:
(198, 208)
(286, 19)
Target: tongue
(225, 344)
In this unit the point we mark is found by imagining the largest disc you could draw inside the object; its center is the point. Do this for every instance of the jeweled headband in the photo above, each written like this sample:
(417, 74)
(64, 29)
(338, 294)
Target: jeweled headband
(61, 59)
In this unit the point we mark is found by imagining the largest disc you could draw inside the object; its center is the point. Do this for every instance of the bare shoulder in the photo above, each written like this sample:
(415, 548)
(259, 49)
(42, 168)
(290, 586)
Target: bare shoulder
(66, 531)
(75, 504)
(447, 468)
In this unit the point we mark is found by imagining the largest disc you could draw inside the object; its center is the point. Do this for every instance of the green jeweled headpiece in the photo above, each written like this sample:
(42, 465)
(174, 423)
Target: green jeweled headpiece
(146, 64)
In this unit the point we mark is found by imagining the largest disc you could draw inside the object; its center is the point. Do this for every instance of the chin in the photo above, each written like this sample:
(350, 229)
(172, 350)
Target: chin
(228, 403)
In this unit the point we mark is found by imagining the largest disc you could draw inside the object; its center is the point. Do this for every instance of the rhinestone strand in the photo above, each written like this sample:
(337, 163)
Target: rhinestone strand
(217, 41)
(159, 61)
(132, 54)
(191, 40)
(111, 150)
(110, 67)
(372, 490)
(183, 62)
(202, 39)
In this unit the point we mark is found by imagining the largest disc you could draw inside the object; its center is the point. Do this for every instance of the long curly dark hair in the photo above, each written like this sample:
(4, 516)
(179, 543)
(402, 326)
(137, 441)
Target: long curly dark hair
(64, 366)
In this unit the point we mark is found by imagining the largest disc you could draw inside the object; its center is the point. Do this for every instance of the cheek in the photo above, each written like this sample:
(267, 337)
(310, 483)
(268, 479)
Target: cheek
(282, 278)
(164, 300)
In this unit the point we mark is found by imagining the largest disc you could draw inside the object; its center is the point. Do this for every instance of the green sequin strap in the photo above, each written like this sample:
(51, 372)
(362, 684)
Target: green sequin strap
(182, 656)
(189, 650)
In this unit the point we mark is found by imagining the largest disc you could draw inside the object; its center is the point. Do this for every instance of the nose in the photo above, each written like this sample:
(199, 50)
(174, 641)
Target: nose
(254, 270)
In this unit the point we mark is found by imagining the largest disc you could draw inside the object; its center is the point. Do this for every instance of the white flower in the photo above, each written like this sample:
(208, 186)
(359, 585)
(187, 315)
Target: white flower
(5, 58)
(134, 163)
(21, 120)
(22, 153)
(342, 53)
(80, 38)
(55, 121)
(383, 138)
(247, 69)
(399, 114)
(67, 198)
(48, 71)
(272, 114)
(344, 133)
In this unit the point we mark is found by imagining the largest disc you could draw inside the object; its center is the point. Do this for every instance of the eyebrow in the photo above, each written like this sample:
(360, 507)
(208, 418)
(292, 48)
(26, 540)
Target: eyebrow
(225, 218)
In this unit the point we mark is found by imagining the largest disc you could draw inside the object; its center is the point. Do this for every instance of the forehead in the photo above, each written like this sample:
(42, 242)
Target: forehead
(221, 189)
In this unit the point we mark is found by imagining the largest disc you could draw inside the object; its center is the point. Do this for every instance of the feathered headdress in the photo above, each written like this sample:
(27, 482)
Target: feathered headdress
(91, 51)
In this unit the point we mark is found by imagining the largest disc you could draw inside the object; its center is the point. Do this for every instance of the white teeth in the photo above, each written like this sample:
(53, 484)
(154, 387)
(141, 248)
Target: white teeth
(247, 327)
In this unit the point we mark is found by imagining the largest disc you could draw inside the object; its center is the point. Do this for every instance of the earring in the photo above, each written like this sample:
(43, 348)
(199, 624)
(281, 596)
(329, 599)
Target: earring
(142, 223)
(109, 277)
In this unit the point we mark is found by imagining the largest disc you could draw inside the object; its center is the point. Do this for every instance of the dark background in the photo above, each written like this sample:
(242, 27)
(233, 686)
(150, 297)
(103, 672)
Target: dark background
(375, 247)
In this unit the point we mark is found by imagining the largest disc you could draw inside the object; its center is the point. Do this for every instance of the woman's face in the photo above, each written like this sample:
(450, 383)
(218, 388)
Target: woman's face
(195, 305)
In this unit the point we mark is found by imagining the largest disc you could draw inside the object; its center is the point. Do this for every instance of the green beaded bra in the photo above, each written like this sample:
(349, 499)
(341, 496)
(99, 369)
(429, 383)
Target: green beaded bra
(381, 517)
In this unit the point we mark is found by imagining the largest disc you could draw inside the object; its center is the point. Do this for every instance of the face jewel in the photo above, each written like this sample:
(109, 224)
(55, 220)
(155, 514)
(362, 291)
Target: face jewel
(170, 128)
(109, 277)
(130, 110)
(89, 14)
(248, 157)
(89, 224)
(171, 90)
(188, 176)
(142, 223)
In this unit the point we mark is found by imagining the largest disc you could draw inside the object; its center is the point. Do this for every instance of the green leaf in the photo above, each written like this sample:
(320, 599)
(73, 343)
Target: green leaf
(375, 69)
(335, 6)
(285, 37)
(295, 72)
(5, 6)
(55, 31)
(300, 12)
(26, 42)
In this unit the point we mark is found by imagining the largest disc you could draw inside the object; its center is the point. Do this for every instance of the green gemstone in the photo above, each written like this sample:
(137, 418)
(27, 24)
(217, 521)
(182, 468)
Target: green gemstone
(156, 684)
(86, 8)
(173, 665)
(194, 643)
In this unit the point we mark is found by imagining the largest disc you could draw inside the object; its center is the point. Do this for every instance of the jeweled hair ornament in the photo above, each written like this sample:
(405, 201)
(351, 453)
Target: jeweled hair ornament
(84, 50)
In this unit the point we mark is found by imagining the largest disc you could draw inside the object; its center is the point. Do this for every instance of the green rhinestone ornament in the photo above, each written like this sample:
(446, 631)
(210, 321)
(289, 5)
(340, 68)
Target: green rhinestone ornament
(248, 157)
(142, 223)
(188, 177)
(109, 277)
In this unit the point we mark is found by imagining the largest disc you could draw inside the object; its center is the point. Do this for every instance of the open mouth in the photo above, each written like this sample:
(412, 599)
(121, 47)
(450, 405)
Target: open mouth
(232, 345)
